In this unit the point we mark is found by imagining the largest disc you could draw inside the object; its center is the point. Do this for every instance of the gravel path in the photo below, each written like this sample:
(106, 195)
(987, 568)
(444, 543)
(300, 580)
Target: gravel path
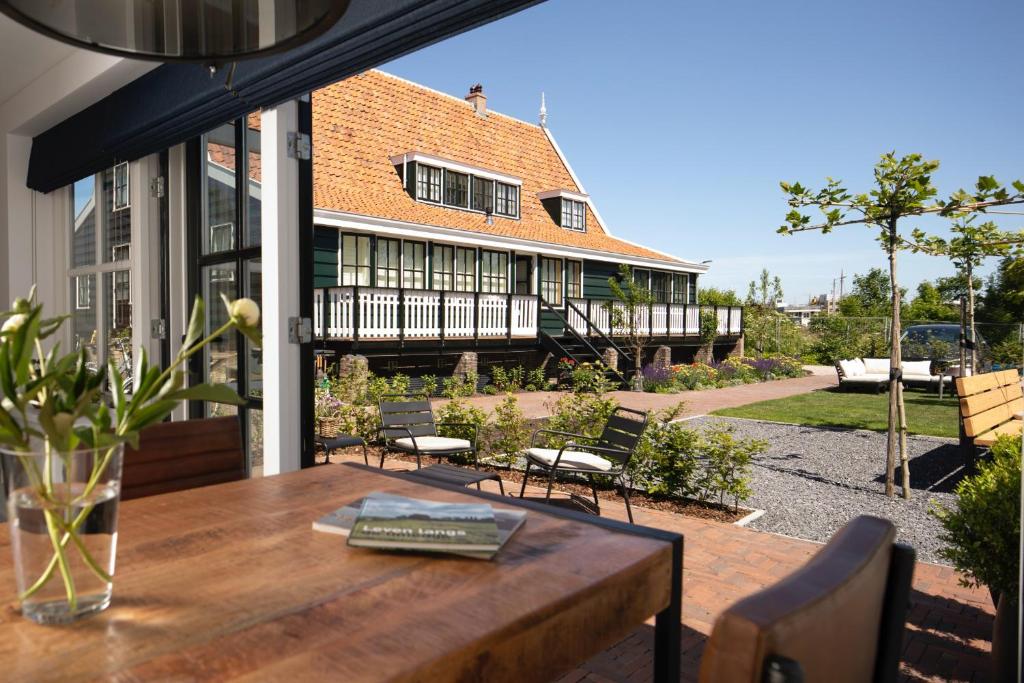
(811, 481)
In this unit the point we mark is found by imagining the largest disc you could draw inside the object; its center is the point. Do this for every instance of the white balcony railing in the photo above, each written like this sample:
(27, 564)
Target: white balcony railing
(377, 313)
(660, 320)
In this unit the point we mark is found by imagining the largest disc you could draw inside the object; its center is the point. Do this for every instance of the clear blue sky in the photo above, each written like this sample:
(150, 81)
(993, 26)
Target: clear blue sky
(681, 117)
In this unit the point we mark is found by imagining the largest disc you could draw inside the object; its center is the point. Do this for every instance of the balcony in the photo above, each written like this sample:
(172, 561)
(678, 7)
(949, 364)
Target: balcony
(379, 314)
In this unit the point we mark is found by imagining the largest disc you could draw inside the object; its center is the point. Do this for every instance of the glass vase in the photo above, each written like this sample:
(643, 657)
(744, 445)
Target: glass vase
(62, 516)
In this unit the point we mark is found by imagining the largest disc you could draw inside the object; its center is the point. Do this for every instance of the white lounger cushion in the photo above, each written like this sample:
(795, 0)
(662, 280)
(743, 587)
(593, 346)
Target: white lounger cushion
(571, 460)
(917, 368)
(876, 366)
(433, 443)
(866, 379)
(851, 368)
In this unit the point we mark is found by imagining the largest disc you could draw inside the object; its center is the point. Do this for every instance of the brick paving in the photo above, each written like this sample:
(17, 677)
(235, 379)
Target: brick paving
(949, 627)
(534, 404)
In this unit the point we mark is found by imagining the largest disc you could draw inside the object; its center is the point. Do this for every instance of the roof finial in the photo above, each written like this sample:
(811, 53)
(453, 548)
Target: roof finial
(543, 111)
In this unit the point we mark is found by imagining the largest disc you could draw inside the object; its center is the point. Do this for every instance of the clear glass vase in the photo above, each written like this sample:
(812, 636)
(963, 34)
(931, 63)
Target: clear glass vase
(62, 515)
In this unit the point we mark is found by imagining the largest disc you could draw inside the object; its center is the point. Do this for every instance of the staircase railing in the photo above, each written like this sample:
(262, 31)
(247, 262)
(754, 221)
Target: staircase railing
(600, 333)
(583, 340)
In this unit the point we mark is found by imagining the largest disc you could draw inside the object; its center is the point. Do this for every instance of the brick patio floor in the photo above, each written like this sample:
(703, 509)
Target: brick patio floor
(534, 404)
(949, 627)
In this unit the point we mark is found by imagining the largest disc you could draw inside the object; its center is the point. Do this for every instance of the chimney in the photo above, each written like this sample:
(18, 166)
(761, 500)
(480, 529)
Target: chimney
(477, 98)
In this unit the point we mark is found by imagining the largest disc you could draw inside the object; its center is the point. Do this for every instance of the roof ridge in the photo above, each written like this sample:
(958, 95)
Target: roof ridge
(453, 97)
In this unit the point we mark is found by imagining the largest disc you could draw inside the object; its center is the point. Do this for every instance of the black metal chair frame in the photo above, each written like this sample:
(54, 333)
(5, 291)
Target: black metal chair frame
(617, 429)
(389, 432)
(330, 443)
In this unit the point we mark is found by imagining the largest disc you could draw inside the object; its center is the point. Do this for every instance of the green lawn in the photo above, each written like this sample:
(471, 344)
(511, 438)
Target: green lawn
(925, 413)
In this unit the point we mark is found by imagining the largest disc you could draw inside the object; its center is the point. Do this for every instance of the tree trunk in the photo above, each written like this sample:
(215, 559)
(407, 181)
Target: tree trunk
(972, 334)
(896, 437)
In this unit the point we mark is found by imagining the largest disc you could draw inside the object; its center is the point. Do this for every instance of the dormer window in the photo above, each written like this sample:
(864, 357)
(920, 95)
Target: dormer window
(567, 208)
(574, 215)
(457, 185)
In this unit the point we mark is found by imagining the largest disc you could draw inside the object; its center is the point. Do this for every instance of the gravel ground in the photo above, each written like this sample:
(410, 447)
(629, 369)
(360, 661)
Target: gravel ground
(811, 481)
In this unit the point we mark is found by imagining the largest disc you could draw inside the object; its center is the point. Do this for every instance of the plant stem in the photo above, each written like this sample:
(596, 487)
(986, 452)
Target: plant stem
(62, 560)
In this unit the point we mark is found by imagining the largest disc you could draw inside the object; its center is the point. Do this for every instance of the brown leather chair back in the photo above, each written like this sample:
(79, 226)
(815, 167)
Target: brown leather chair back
(839, 618)
(174, 456)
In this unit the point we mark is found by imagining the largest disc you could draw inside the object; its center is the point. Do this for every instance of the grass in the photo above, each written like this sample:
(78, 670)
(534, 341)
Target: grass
(926, 414)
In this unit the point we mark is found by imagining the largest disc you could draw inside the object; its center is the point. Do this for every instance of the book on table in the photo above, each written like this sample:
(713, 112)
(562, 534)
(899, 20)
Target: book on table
(399, 523)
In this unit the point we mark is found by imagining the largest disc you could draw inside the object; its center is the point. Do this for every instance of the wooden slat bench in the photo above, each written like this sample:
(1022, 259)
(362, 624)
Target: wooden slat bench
(174, 456)
(989, 404)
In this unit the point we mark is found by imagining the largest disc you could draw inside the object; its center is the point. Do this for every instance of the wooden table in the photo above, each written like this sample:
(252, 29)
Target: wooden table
(229, 582)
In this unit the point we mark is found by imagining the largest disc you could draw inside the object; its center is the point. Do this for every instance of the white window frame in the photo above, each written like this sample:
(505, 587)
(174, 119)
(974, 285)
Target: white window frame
(119, 187)
(82, 303)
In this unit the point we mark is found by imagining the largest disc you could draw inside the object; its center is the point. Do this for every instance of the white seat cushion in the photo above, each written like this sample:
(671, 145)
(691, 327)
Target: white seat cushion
(917, 367)
(849, 368)
(428, 444)
(571, 460)
(876, 366)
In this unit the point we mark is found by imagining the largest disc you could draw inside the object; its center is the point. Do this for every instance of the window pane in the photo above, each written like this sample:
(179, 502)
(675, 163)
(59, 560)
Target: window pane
(574, 279)
(117, 224)
(83, 317)
(253, 288)
(494, 272)
(428, 183)
(456, 189)
(254, 173)
(415, 265)
(659, 287)
(388, 260)
(121, 196)
(117, 304)
(443, 267)
(507, 203)
(221, 355)
(465, 270)
(483, 194)
(83, 235)
(355, 260)
(551, 280)
(221, 203)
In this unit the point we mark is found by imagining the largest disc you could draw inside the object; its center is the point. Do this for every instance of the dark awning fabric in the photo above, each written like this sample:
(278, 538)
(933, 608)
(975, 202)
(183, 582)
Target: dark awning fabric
(175, 102)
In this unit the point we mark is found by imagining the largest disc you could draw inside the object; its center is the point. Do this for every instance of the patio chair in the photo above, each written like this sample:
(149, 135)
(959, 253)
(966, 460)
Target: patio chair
(607, 455)
(838, 618)
(174, 456)
(408, 426)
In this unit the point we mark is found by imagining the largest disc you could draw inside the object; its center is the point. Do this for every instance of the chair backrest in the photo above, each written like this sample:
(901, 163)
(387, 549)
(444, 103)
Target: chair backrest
(838, 618)
(404, 414)
(174, 456)
(622, 432)
(989, 400)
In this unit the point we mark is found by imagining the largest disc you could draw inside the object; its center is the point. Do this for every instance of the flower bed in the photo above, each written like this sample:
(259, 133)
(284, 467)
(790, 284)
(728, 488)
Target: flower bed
(727, 373)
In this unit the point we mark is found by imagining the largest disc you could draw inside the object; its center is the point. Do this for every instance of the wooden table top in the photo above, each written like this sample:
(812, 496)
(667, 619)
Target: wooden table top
(229, 582)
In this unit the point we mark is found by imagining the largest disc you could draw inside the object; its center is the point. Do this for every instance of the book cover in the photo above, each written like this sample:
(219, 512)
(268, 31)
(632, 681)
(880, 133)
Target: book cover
(411, 524)
(341, 520)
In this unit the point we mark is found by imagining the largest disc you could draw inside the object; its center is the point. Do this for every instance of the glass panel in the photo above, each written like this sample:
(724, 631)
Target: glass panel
(117, 306)
(253, 235)
(83, 317)
(83, 235)
(523, 274)
(494, 272)
(507, 203)
(551, 280)
(415, 266)
(428, 183)
(355, 260)
(221, 355)
(574, 279)
(456, 189)
(679, 288)
(121, 196)
(483, 194)
(253, 288)
(221, 201)
(388, 260)
(254, 417)
(117, 224)
(692, 291)
(465, 270)
(659, 287)
(443, 267)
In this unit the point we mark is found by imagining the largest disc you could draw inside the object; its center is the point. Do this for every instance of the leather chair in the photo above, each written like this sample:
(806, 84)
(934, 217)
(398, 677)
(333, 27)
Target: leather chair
(839, 618)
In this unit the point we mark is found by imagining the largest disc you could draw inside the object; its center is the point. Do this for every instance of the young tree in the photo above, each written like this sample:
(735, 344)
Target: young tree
(929, 305)
(902, 188)
(765, 293)
(712, 296)
(969, 246)
(630, 317)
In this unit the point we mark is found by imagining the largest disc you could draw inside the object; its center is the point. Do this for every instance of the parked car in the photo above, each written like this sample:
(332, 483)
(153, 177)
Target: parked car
(940, 343)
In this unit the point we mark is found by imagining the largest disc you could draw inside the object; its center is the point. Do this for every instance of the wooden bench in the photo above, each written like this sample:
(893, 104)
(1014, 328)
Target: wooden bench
(174, 456)
(989, 404)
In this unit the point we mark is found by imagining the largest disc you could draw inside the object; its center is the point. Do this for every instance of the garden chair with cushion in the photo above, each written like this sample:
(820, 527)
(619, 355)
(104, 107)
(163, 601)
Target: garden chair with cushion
(408, 426)
(607, 455)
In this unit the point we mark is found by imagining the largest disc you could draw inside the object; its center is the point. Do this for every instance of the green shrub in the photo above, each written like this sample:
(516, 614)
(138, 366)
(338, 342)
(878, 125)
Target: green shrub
(376, 388)
(695, 376)
(535, 378)
(727, 464)
(490, 390)
(579, 414)
(983, 532)
(508, 380)
(429, 384)
(1008, 352)
(460, 386)
(459, 412)
(510, 434)
(399, 384)
(361, 420)
(590, 378)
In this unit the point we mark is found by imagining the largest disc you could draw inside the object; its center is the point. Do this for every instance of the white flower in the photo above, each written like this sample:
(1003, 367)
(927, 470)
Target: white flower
(245, 312)
(14, 323)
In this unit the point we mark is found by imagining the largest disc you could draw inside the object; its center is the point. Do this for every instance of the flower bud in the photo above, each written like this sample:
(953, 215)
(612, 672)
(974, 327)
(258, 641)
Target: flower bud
(245, 312)
(63, 422)
(21, 305)
(14, 323)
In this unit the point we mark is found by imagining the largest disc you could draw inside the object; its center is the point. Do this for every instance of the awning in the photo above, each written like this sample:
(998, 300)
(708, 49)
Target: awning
(178, 101)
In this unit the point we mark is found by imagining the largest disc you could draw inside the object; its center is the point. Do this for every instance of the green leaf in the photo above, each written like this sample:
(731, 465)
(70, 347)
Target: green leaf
(195, 325)
(215, 393)
(149, 414)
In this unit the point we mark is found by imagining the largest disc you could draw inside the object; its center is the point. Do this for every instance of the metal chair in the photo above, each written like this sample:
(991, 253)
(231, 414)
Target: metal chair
(408, 426)
(331, 443)
(607, 455)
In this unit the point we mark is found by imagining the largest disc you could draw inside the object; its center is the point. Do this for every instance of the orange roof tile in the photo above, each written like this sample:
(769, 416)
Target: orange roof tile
(361, 122)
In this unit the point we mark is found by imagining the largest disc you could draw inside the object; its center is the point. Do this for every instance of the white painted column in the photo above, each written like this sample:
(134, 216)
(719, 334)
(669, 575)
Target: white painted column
(282, 435)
